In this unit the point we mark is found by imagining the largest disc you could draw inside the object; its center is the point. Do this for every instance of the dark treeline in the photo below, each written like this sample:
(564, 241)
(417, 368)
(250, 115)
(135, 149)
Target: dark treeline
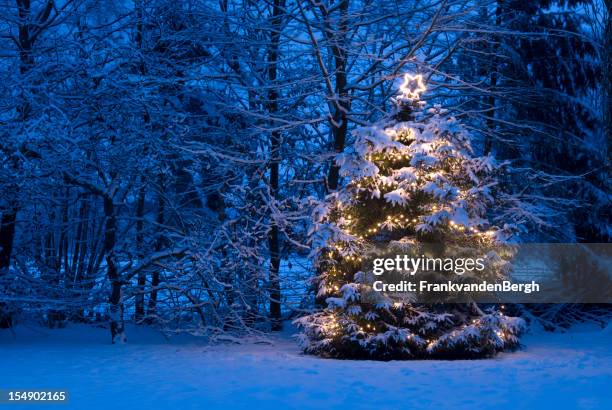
(160, 159)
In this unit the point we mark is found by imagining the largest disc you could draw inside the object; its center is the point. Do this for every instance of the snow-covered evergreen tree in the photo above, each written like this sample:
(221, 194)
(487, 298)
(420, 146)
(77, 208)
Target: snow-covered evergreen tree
(411, 179)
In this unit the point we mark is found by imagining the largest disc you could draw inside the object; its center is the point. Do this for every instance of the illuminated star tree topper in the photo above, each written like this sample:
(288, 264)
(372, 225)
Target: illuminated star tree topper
(412, 87)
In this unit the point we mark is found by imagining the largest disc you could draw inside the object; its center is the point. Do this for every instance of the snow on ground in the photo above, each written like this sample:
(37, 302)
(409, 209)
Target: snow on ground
(560, 371)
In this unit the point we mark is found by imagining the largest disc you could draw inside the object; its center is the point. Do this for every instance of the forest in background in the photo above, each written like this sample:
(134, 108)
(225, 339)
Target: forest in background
(161, 160)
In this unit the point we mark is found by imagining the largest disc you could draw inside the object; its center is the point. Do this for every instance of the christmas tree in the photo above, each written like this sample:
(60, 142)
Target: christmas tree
(411, 179)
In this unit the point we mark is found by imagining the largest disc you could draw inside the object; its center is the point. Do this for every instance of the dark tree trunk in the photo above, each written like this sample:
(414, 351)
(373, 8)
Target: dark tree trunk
(115, 300)
(275, 150)
(607, 73)
(488, 142)
(339, 121)
(139, 312)
(80, 242)
(28, 30)
(140, 302)
(7, 233)
(64, 234)
(159, 243)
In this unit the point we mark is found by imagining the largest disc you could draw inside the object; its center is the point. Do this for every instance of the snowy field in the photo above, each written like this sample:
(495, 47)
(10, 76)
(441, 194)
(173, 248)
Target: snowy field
(556, 371)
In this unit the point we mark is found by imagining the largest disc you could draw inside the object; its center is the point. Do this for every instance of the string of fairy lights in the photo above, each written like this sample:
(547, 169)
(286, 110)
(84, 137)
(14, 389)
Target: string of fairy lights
(403, 222)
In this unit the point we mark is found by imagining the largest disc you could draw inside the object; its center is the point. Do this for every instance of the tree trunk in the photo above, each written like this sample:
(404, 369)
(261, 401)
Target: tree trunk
(488, 142)
(25, 40)
(339, 121)
(80, 242)
(607, 73)
(9, 213)
(159, 243)
(275, 147)
(7, 234)
(115, 300)
(142, 279)
(140, 302)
